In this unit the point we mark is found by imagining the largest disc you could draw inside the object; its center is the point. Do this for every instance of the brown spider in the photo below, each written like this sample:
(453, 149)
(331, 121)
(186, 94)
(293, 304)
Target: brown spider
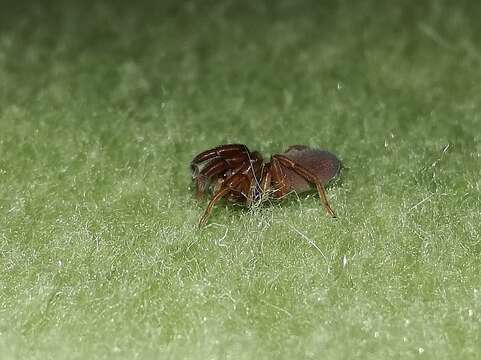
(232, 171)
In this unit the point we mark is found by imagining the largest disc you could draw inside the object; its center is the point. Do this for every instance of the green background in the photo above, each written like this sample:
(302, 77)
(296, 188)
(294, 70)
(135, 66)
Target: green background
(102, 107)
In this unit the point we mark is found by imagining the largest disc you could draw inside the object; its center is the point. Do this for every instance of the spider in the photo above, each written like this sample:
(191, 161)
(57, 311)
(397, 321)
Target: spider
(233, 172)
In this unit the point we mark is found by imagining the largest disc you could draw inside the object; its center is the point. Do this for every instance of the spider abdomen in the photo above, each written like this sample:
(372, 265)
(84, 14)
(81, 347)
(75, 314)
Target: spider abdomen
(325, 165)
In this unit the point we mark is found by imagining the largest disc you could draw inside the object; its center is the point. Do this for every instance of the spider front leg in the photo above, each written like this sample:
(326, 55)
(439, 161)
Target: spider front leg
(212, 170)
(266, 179)
(213, 163)
(230, 185)
(228, 151)
(219, 195)
(309, 176)
(272, 182)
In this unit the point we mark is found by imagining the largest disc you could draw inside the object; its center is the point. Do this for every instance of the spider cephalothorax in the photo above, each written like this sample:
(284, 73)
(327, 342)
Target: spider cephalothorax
(232, 171)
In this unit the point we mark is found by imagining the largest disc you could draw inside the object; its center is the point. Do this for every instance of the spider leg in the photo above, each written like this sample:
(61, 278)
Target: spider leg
(309, 176)
(240, 174)
(213, 169)
(254, 178)
(219, 160)
(266, 178)
(280, 188)
(250, 187)
(229, 151)
(219, 195)
(229, 185)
